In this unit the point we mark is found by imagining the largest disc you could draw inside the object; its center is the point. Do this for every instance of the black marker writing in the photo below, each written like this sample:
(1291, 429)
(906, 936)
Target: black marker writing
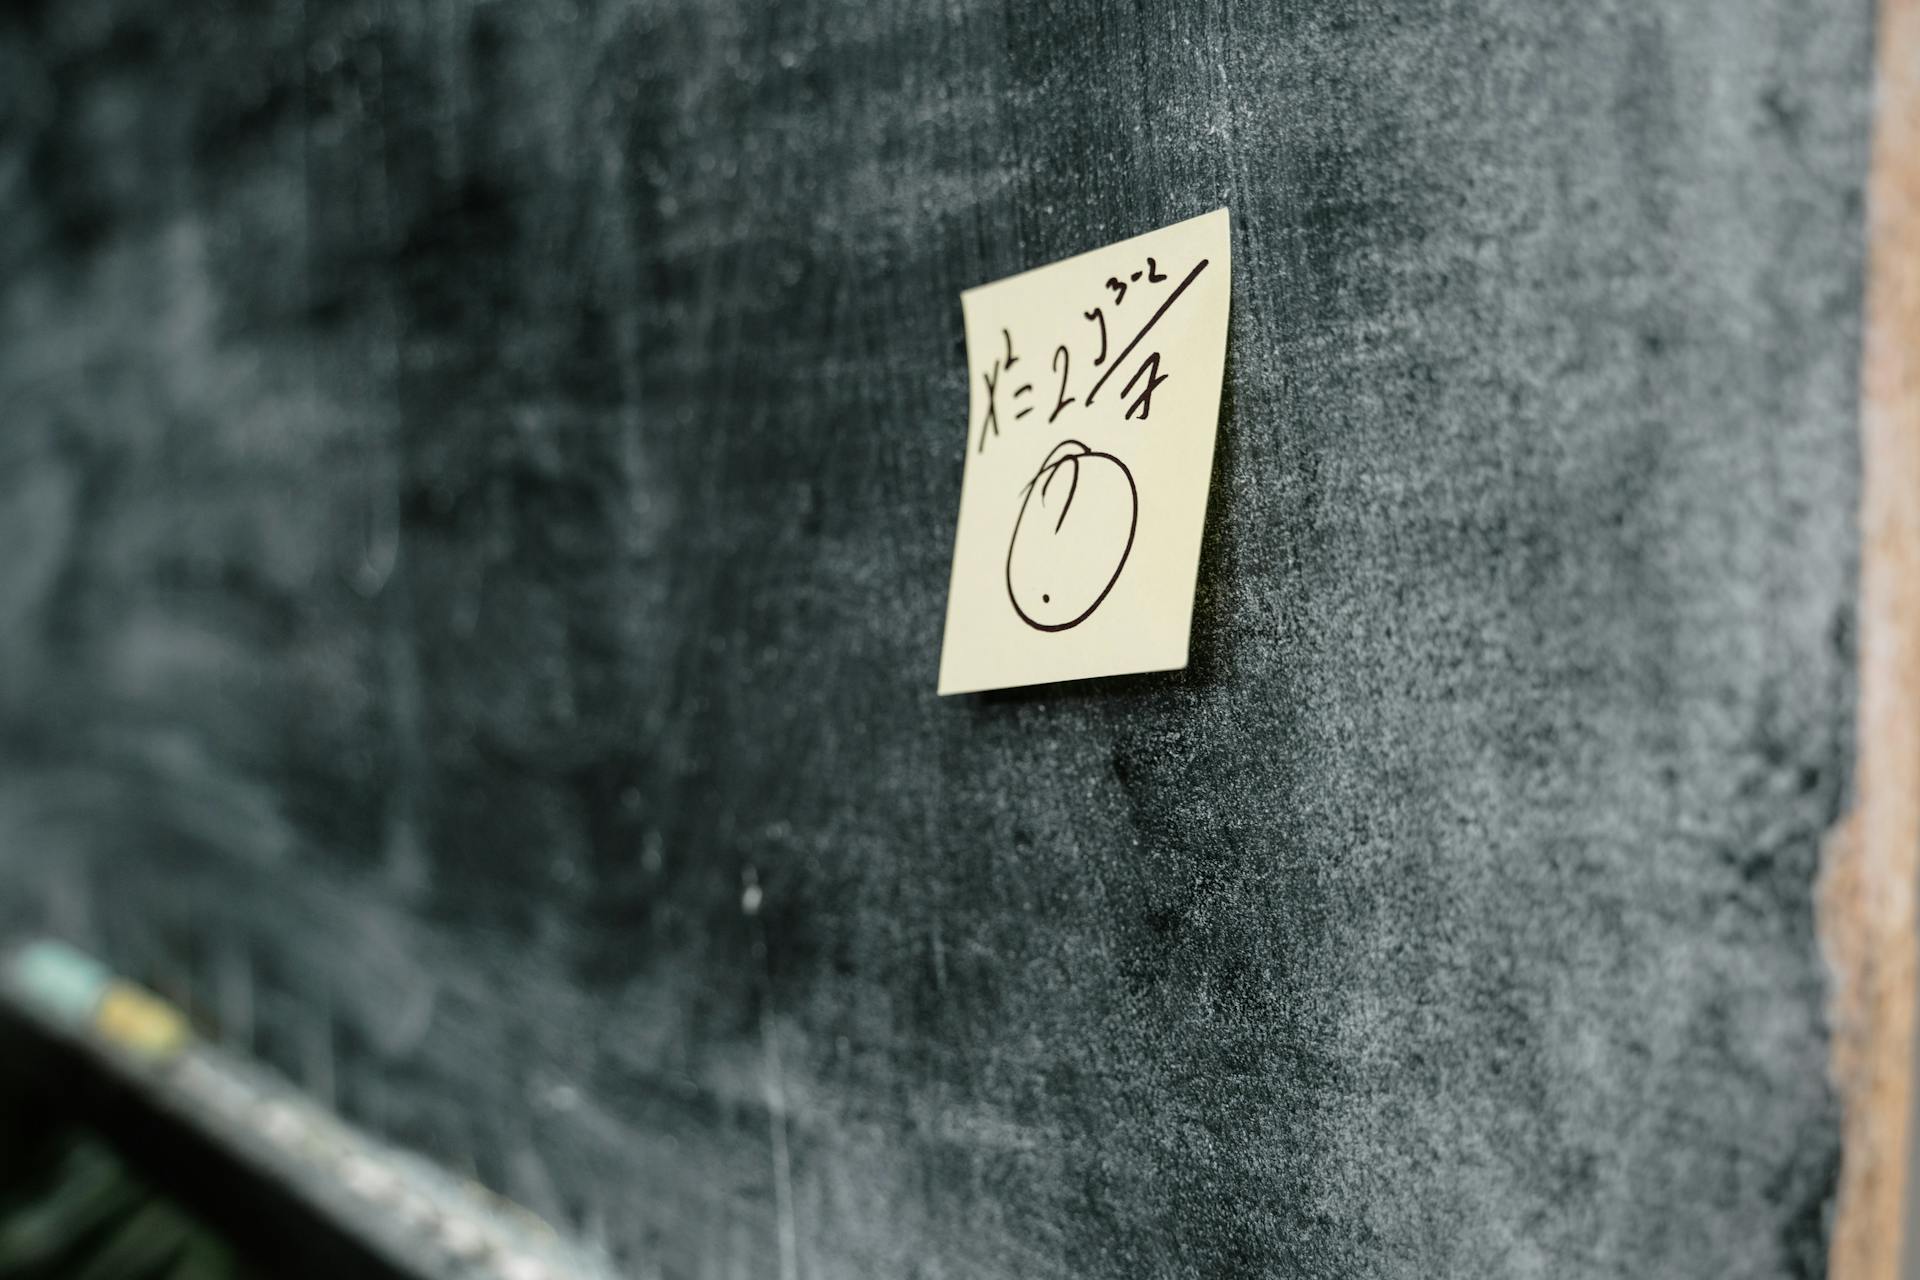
(1146, 328)
(1059, 572)
(992, 416)
(1146, 376)
(1062, 361)
(1143, 403)
(1101, 316)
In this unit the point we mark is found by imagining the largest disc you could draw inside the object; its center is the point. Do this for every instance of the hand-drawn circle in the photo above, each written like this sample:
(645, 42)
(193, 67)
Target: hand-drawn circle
(1079, 599)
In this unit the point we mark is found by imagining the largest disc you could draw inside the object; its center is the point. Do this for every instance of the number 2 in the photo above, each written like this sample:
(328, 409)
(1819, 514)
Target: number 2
(1062, 362)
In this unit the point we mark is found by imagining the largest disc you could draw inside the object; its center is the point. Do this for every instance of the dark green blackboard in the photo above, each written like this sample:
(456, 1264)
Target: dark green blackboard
(476, 484)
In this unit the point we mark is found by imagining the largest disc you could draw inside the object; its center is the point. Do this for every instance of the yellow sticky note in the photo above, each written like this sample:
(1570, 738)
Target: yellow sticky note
(1095, 397)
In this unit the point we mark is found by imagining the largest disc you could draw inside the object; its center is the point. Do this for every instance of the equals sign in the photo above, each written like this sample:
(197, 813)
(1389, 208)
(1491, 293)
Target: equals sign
(1017, 393)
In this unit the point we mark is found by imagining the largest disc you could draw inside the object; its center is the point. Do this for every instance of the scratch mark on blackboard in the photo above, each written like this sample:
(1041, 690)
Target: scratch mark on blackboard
(776, 1090)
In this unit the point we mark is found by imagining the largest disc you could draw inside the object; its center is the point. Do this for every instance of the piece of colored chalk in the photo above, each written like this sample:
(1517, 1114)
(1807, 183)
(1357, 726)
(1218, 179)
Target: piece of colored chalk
(524, 1267)
(140, 1022)
(61, 980)
(463, 1239)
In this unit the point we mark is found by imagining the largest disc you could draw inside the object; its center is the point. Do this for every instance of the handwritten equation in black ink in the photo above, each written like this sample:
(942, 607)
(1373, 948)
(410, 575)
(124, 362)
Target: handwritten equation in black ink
(1146, 376)
(1145, 329)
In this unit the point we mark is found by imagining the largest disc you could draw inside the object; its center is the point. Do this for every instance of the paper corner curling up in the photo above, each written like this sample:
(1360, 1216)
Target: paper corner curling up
(1095, 397)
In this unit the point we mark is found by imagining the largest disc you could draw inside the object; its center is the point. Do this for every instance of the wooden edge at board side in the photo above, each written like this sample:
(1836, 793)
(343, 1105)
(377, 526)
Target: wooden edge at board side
(1870, 870)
